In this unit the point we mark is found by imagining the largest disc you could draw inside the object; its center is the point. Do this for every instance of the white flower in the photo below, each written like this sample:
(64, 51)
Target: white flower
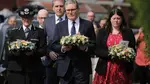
(74, 40)
(122, 52)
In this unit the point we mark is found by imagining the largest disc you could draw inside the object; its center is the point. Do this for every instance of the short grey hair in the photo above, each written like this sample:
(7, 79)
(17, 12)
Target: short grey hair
(11, 16)
(72, 2)
(57, 0)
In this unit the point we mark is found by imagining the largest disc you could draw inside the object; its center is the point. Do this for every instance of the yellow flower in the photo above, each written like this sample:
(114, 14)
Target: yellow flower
(121, 52)
(24, 43)
(17, 46)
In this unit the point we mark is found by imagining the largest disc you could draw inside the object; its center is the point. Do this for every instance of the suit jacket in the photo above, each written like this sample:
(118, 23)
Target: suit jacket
(80, 59)
(3, 31)
(23, 62)
(102, 49)
(49, 29)
(4, 27)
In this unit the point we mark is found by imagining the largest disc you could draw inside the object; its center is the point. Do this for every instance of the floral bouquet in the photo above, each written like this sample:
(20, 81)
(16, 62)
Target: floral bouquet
(121, 52)
(21, 45)
(66, 40)
(75, 40)
(78, 40)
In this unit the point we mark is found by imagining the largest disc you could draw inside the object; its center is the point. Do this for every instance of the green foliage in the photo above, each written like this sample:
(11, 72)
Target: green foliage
(142, 8)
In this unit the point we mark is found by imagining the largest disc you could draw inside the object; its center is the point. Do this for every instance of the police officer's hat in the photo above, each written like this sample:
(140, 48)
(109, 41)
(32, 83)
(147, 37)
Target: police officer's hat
(26, 11)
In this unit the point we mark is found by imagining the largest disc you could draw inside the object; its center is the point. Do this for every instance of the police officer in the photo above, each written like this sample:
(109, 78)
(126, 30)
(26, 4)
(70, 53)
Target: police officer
(26, 68)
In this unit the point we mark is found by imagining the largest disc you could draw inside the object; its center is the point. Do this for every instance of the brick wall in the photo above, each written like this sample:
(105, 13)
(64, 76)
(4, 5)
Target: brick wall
(10, 4)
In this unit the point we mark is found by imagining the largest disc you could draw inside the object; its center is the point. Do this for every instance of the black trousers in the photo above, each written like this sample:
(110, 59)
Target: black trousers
(15, 77)
(74, 76)
(3, 78)
(143, 74)
(51, 76)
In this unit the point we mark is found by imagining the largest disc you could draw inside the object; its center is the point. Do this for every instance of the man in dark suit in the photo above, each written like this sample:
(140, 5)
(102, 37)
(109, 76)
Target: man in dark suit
(73, 63)
(49, 27)
(26, 67)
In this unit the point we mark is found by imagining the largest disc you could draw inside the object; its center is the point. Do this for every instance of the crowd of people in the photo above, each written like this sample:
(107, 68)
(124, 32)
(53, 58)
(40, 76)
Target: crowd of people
(49, 62)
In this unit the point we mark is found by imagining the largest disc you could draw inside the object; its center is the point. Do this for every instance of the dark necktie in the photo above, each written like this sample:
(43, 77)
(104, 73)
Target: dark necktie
(26, 31)
(59, 19)
(73, 29)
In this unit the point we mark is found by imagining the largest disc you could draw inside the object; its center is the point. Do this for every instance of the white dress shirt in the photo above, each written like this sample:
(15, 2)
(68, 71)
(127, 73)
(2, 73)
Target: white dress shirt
(24, 28)
(77, 25)
(57, 18)
(28, 27)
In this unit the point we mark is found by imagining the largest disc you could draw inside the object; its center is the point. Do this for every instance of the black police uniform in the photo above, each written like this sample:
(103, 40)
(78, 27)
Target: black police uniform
(26, 69)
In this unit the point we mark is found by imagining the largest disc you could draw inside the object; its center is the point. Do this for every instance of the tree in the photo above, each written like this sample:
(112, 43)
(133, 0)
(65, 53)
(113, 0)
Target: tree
(142, 8)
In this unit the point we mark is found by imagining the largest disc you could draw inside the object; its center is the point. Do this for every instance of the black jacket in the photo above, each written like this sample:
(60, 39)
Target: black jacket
(23, 62)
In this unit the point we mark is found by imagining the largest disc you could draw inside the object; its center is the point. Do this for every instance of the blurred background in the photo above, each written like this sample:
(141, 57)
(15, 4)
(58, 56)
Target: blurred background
(100, 7)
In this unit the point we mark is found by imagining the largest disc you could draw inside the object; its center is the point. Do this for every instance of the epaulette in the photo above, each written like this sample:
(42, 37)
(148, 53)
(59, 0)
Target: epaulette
(11, 29)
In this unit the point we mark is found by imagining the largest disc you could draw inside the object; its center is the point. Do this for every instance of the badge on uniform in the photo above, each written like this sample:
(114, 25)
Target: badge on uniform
(26, 11)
